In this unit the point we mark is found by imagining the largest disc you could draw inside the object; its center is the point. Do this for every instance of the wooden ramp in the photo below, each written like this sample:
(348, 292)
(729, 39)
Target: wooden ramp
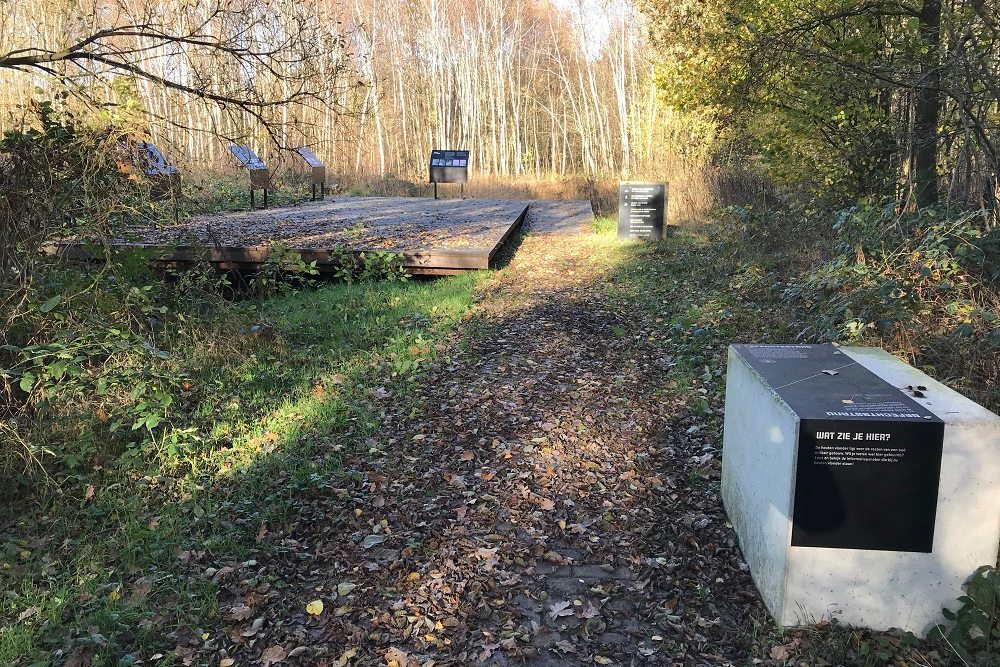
(435, 237)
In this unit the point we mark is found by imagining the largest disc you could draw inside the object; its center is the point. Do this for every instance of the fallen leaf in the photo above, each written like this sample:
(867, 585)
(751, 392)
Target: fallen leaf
(28, 613)
(558, 609)
(315, 608)
(373, 540)
(273, 655)
(227, 662)
(345, 657)
(467, 455)
(780, 653)
(81, 657)
(240, 612)
(254, 627)
(395, 657)
(590, 610)
(345, 588)
(221, 574)
(601, 660)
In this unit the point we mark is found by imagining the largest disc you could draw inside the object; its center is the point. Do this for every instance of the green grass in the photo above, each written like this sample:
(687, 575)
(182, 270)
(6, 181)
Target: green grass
(277, 394)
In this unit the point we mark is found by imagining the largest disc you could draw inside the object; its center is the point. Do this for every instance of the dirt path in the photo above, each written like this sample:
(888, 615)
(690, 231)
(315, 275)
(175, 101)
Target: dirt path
(548, 501)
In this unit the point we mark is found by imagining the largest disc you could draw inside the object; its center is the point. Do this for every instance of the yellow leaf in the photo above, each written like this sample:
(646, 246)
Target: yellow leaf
(227, 662)
(413, 576)
(345, 657)
(315, 607)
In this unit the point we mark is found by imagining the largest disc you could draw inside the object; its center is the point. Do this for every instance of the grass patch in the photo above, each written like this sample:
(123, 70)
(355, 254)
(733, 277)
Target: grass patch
(274, 396)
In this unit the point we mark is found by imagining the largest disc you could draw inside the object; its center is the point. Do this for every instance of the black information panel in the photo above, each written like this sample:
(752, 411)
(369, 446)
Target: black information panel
(642, 211)
(449, 167)
(152, 162)
(318, 168)
(869, 456)
(259, 176)
(164, 178)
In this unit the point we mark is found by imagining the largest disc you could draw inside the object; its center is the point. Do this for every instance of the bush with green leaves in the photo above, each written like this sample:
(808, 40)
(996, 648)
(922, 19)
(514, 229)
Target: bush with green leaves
(973, 632)
(891, 270)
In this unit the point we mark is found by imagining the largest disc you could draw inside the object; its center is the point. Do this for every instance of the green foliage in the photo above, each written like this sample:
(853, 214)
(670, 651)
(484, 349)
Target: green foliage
(890, 270)
(367, 266)
(974, 630)
(283, 271)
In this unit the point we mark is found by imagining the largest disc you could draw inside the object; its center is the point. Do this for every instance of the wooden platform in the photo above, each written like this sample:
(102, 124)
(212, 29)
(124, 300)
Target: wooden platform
(560, 217)
(435, 237)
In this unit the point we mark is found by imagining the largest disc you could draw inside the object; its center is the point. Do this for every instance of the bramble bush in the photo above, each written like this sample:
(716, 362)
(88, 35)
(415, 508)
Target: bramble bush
(921, 284)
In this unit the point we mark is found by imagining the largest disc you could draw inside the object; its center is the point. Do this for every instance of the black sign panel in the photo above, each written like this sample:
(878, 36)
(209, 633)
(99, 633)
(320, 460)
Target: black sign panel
(259, 176)
(247, 157)
(869, 456)
(642, 211)
(449, 167)
(318, 168)
(151, 160)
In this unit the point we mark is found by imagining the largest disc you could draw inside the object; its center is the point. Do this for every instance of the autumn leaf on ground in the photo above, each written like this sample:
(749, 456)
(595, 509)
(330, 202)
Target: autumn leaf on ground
(373, 540)
(240, 612)
(345, 657)
(81, 657)
(345, 588)
(467, 455)
(273, 655)
(395, 657)
(315, 608)
(780, 653)
(590, 610)
(558, 609)
(28, 613)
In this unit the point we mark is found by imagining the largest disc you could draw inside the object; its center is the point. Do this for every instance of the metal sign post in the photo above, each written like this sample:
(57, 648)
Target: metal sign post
(318, 171)
(260, 178)
(449, 167)
(164, 178)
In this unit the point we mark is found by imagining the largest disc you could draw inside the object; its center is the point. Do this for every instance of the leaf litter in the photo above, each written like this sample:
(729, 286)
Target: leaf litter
(547, 493)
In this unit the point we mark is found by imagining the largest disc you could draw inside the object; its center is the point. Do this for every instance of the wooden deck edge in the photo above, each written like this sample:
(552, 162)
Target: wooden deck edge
(518, 223)
(434, 261)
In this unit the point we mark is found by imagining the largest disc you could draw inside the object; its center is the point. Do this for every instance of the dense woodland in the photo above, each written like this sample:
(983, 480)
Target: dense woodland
(177, 446)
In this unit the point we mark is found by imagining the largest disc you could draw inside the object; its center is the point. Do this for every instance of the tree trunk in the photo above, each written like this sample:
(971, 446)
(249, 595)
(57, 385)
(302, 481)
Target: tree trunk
(927, 109)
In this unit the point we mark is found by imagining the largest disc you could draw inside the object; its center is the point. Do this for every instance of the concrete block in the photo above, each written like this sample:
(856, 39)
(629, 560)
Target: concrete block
(852, 496)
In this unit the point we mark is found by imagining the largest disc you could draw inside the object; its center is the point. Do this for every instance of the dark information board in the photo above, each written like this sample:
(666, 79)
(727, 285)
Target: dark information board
(259, 176)
(318, 168)
(151, 160)
(869, 456)
(449, 167)
(642, 211)
(164, 178)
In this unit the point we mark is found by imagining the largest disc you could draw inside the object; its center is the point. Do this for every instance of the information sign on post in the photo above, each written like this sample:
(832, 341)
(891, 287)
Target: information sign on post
(260, 177)
(449, 166)
(642, 211)
(318, 171)
(164, 178)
